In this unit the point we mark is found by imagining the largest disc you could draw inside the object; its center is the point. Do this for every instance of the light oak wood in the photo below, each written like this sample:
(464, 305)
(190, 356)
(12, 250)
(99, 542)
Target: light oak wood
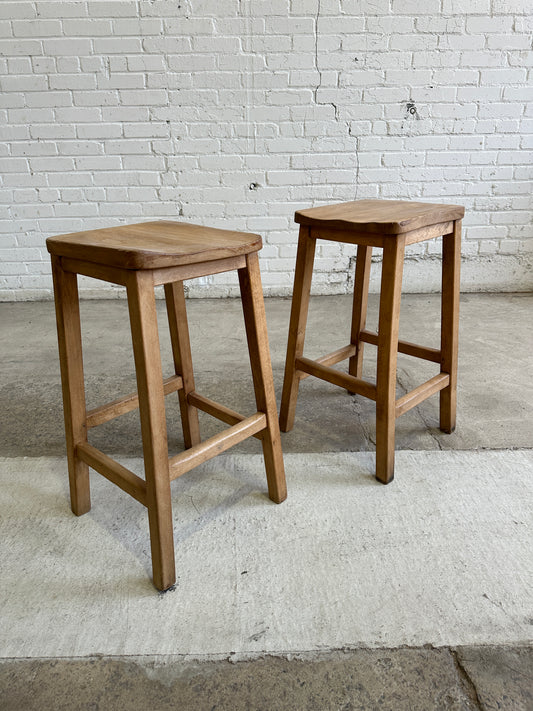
(127, 403)
(151, 245)
(330, 359)
(256, 333)
(336, 377)
(209, 448)
(377, 239)
(390, 225)
(140, 257)
(425, 233)
(161, 276)
(113, 471)
(451, 267)
(103, 272)
(298, 321)
(221, 412)
(201, 269)
(405, 347)
(181, 350)
(359, 308)
(388, 327)
(385, 217)
(73, 387)
(145, 337)
(416, 396)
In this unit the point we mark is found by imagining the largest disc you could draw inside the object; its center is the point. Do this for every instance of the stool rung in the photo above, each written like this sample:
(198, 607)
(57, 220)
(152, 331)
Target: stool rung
(324, 372)
(184, 462)
(112, 470)
(410, 349)
(334, 357)
(215, 409)
(125, 404)
(430, 387)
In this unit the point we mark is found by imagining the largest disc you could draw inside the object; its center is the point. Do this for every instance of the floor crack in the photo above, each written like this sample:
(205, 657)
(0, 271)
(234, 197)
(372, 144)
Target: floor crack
(469, 685)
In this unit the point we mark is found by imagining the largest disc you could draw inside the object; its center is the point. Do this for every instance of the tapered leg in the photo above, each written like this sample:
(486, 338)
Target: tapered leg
(360, 303)
(256, 333)
(181, 350)
(451, 266)
(71, 363)
(389, 318)
(300, 306)
(143, 317)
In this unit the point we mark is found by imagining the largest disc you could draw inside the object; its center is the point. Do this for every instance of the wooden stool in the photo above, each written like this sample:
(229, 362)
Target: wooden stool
(390, 225)
(141, 257)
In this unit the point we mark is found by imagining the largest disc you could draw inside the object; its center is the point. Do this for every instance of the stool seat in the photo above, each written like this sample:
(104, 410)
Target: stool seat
(153, 245)
(384, 217)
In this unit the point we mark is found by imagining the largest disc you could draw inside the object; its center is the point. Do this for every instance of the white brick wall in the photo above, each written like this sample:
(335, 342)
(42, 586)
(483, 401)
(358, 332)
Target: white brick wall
(234, 113)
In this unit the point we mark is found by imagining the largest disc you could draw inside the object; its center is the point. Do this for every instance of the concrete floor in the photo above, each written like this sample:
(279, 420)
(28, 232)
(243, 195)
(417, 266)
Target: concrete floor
(495, 412)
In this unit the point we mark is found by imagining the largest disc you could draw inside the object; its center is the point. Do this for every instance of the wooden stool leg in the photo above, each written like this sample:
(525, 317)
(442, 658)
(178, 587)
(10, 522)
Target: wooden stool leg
(71, 363)
(181, 349)
(389, 322)
(451, 266)
(256, 334)
(300, 306)
(360, 303)
(143, 317)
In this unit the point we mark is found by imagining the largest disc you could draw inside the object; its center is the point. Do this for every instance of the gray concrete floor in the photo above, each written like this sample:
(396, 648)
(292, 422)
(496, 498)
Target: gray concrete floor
(495, 412)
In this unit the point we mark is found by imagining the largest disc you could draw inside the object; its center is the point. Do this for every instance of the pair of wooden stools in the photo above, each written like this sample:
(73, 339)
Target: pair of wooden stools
(143, 256)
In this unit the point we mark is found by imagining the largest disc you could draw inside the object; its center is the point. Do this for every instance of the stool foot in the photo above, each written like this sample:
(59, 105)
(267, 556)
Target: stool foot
(256, 334)
(384, 465)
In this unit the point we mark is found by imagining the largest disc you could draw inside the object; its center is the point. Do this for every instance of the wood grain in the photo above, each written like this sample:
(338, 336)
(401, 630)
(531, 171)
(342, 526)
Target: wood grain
(150, 245)
(336, 377)
(113, 471)
(256, 333)
(359, 308)
(209, 448)
(181, 351)
(451, 268)
(297, 325)
(72, 382)
(379, 216)
(145, 337)
(127, 403)
(388, 328)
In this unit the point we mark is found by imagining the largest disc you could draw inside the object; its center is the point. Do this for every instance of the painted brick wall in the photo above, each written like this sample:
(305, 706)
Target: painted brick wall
(235, 113)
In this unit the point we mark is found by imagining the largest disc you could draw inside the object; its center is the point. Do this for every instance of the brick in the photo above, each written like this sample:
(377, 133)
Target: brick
(22, 47)
(15, 10)
(61, 9)
(66, 46)
(473, 7)
(113, 8)
(87, 28)
(413, 7)
(511, 6)
(36, 28)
